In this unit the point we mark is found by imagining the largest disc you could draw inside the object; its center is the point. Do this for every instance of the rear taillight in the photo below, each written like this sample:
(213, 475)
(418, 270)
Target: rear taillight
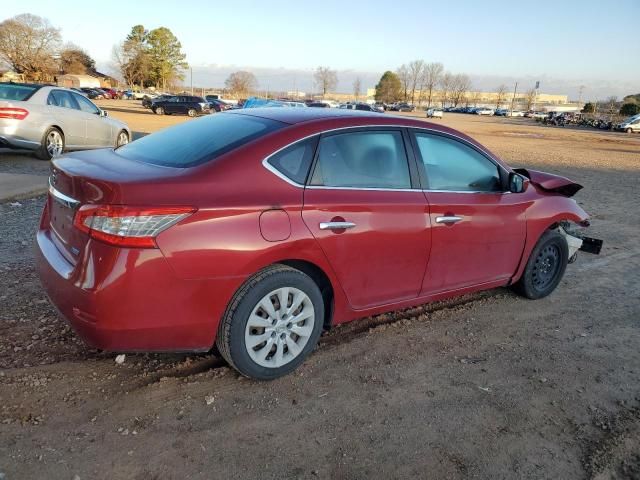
(126, 226)
(13, 113)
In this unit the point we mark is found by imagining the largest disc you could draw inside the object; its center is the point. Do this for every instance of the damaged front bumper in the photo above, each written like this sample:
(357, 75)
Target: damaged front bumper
(577, 241)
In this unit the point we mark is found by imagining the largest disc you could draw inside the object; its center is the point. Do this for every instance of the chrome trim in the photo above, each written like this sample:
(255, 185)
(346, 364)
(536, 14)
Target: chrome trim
(272, 169)
(448, 219)
(62, 198)
(336, 225)
(465, 191)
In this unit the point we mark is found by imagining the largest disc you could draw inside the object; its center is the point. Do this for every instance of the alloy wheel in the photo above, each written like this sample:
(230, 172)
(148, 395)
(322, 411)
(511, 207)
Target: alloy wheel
(279, 327)
(123, 139)
(55, 144)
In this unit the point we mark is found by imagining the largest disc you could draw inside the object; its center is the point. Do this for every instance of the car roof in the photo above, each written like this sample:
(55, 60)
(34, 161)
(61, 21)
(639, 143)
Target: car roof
(300, 115)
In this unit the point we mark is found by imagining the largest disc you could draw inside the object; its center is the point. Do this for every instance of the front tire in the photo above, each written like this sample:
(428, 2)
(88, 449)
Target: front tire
(191, 112)
(546, 266)
(272, 324)
(628, 130)
(159, 111)
(122, 139)
(52, 144)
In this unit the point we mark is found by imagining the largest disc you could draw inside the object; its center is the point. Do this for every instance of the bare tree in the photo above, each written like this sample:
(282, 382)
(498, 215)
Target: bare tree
(415, 69)
(28, 44)
(357, 87)
(475, 98)
(241, 83)
(530, 98)
(461, 84)
(326, 79)
(612, 104)
(431, 75)
(404, 76)
(501, 95)
(446, 86)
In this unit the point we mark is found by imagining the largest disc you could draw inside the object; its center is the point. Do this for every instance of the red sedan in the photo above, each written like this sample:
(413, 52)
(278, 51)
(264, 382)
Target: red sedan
(255, 229)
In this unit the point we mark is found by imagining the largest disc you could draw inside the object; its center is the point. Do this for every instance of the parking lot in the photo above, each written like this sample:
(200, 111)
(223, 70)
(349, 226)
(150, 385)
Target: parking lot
(484, 386)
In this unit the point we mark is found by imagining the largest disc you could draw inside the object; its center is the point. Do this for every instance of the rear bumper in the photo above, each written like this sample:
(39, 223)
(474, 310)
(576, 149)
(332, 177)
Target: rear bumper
(121, 299)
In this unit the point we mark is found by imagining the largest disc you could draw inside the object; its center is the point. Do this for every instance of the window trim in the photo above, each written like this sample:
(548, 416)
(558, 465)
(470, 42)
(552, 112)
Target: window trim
(424, 177)
(414, 161)
(272, 168)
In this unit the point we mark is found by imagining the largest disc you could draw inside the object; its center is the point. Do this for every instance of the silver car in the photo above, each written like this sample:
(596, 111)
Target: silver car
(51, 120)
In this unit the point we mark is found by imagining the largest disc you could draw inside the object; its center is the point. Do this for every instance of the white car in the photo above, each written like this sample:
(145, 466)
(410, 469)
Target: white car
(141, 95)
(630, 125)
(434, 113)
(515, 113)
(485, 111)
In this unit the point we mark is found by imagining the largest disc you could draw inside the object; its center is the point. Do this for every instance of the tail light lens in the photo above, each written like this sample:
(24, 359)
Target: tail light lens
(13, 113)
(126, 226)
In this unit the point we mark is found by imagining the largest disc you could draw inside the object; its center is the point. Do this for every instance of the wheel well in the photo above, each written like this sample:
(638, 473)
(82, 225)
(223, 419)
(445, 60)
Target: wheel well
(323, 282)
(58, 128)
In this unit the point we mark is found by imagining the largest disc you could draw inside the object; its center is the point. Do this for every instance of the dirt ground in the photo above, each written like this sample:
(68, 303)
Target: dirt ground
(484, 386)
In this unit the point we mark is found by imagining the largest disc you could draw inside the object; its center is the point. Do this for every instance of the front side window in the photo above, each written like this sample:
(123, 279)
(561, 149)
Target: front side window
(295, 160)
(85, 105)
(192, 143)
(454, 166)
(374, 159)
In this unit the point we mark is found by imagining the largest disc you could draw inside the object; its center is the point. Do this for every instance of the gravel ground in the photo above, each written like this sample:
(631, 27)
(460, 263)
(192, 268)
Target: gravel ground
(484, 386)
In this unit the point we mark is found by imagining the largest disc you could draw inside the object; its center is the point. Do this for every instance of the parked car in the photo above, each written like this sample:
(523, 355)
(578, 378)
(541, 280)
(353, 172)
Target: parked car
(434, 113)
(80, 92)
(51, 120)
(501, 112)
(403, 107)
(333, 228)
(113, 93)
(318, 105)
(219, 105)
(140, 95)
(514, 113)
(104, 93)
(535, 115)
(630, 125)
(365, 107)
(184, 104)
(484, 111)
(92, 93)
(147, 102)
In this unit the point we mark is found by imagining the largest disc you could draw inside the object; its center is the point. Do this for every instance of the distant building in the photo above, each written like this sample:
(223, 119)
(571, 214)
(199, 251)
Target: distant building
(88, 80)
(9, 76)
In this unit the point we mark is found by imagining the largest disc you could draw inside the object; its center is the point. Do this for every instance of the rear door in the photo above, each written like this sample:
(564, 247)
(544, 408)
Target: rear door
(99, 132)
(479, 228)
(365, 208)
(65, 110)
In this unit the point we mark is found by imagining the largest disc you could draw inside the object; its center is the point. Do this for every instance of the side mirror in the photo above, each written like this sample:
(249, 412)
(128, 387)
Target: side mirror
(516, 183)
(103, 113)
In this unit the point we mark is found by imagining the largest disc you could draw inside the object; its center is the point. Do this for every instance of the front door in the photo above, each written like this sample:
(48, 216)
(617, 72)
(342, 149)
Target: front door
(369, 217)
(98, 128)
(478, 229)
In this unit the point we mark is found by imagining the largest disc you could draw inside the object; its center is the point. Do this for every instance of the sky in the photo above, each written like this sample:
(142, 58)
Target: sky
(563, 43)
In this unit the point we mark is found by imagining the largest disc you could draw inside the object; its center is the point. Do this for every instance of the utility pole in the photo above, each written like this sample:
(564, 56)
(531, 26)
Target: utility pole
(513, 99)
(191, 69)
(580, 94)
(535, 98)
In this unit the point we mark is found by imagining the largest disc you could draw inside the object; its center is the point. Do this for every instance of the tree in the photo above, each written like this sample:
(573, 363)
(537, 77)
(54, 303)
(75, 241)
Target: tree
(28, 44)
(132, 57)
(415, 70)
(389, 88)
(475, 98)
(629, 109)
(446, 86)
(431, 76)
(74, 59)
(405, 78)
(460, 85)
(588, 108)
(241, 83)
(357, 86)
(166, 59)
(326, 78)
(530, 98)
(501, 95)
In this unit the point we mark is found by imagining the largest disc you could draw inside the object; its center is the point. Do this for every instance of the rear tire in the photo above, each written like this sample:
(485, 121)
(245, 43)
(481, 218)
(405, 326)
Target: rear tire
(268, 342)
(545, 267)
(52, 144)
(192, 112)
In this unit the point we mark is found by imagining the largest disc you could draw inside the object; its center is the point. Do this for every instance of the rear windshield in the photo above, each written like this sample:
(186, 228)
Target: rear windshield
(197, 141)
(16, 92)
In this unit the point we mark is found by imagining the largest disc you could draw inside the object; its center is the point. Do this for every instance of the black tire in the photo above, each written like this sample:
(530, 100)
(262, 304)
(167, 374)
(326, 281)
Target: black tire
(43, 153)
(628, 130)
(545, 267)
(231, 332)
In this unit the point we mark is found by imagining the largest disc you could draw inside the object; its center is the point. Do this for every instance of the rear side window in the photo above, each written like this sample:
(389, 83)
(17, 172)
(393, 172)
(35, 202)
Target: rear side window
(62, 98)
(454, 166)
(294, 161)
(375, 159)
(198, 141)
(17, 92)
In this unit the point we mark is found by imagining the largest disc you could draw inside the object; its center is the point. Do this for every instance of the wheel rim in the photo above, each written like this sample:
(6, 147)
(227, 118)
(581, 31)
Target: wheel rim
(279, 327)
(191, 113)
(546, 267)
(55, 145)
(159, 110)
(123, 139)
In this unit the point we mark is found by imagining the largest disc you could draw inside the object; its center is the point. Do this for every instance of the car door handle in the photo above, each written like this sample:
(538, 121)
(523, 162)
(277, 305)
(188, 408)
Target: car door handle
(336, 225)
(448, 219)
